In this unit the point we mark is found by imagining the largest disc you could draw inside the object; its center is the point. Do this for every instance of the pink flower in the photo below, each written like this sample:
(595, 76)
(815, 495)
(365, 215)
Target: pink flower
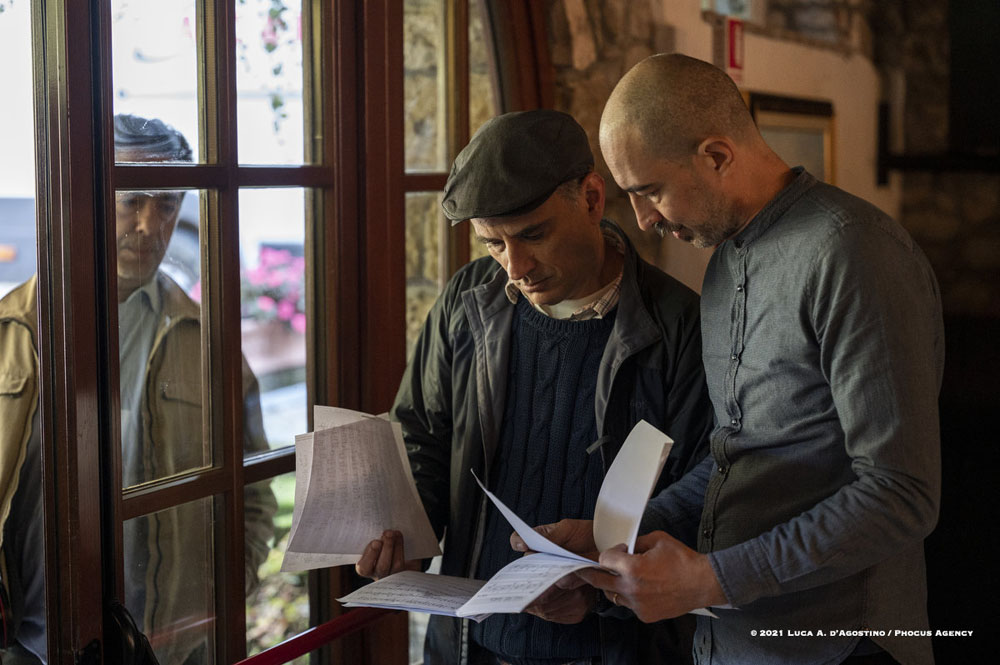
(299, 323)
(265, 303)
(286, 310)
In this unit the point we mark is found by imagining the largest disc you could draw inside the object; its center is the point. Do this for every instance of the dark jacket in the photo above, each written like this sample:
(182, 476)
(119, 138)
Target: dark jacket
(451, 402)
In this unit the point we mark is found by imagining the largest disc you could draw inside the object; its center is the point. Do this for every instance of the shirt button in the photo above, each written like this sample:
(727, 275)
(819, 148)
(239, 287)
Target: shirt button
(707, 532)
(733, 422)
(739, 287)
(732, 357)
(722, 470)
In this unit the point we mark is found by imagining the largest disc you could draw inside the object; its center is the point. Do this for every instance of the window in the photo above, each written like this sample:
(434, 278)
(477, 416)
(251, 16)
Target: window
(450, 89)
(196, 303)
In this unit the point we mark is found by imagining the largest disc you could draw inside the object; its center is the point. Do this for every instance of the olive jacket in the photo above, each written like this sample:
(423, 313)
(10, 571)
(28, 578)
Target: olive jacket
(180, 539)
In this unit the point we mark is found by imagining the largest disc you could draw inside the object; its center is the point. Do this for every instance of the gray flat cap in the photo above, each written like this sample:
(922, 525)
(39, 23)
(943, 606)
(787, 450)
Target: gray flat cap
(514, 163)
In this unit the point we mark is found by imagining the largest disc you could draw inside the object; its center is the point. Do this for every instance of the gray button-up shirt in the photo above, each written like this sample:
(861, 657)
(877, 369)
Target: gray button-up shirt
(823, 349)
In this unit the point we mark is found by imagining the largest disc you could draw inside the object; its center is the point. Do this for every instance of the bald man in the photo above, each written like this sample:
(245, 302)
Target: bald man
(823, 350)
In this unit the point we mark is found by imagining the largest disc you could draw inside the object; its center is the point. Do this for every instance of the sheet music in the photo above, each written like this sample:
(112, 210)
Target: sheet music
(516, 585)
(413, 591)
(352, 482)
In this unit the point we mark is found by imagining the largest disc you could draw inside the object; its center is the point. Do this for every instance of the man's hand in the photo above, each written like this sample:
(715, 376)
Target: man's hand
(662, 580)
(567, 601)
(577, 536)
(570, 599)
(384, 557)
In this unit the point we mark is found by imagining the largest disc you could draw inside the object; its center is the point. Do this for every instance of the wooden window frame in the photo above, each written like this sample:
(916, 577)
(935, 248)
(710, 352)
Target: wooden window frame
(354, 276)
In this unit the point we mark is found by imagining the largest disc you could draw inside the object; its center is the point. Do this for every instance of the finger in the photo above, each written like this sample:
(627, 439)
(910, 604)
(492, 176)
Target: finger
(570, 581)
(598, 578)
(365, 566)
(384, 565)
(650, 540)
(398, 552)
(517, 543)
(617, 558)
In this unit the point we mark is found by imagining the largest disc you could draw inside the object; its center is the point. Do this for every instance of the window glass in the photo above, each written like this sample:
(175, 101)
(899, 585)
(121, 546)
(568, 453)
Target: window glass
(279, 607)
(159, 335)
(425, 224)
(424, 85)
(269, 79)
(272, 284)
(17, 150)
(154, 58)
(170, 580)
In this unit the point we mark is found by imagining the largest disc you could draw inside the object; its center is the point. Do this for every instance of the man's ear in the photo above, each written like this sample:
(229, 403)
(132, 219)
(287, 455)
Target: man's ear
(593, 192)
(718, 153)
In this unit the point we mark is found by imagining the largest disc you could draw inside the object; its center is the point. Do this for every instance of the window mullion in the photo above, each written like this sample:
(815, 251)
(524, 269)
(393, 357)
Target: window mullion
(455, 239)
(221, 313)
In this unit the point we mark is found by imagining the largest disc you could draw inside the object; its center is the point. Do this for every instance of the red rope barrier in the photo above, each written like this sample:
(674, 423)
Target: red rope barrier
(314, 638)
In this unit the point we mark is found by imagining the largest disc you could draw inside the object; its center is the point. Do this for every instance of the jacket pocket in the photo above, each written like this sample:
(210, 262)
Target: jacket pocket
(181, 391)
(12, 385)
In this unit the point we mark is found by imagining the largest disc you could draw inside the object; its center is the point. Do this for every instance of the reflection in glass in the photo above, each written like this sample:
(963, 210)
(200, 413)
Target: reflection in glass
(279, 608)
(424, 225)
(170, 581)
(482, 92)
(424, 85)
(154, 60)
(269, 81)
(272, 283)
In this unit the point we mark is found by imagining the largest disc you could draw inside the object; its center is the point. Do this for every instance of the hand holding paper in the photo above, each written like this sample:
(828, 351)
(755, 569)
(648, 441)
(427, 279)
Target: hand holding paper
(352, 483)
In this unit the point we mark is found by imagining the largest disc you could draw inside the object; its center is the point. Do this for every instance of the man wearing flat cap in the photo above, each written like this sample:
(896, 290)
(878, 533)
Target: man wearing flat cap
(531, 369)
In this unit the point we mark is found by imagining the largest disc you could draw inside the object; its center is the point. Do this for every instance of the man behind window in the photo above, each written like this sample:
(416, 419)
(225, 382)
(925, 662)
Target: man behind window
(532, 368)
(161, 421)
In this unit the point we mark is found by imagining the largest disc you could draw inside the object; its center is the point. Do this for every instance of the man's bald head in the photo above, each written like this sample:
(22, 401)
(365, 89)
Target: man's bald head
(670, 103)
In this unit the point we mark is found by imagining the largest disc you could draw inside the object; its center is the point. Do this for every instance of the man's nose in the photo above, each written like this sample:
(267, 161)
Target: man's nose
(646, 214)
(520, 261)
(148, 219)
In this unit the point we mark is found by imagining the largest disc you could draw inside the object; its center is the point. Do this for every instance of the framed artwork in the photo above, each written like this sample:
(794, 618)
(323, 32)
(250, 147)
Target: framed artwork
(799, 130)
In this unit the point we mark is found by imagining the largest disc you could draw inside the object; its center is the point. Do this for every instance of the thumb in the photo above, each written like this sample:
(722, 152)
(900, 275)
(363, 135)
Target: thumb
(614, 558)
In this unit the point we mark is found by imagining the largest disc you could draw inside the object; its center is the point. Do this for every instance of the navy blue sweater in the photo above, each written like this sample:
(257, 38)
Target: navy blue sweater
(543, 471)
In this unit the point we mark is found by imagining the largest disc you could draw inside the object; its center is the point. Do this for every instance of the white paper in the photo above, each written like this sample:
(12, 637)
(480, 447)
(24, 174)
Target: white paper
(520, 582)
(620, 504)
(628, 485)
(352, 482)
(417, 592)
(534, 540)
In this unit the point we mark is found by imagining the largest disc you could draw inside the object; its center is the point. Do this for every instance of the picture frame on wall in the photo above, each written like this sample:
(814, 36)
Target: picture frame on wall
(799, 130)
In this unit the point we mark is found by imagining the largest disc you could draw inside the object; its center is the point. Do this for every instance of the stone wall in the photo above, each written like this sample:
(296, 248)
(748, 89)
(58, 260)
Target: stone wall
(592, 44)
(955, 217)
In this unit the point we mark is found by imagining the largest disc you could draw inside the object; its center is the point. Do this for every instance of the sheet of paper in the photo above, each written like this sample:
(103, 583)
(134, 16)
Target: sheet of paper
(353, 481)
(628, 485)
(534, 540)
(517, 584)
(417, 592)
(325, 417)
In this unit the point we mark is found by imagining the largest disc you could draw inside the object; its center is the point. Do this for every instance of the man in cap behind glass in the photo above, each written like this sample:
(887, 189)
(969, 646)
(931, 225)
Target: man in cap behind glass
(532, 367)
(168, 561)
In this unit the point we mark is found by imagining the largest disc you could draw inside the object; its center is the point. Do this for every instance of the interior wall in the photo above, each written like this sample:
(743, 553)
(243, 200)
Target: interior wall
(594, 43)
